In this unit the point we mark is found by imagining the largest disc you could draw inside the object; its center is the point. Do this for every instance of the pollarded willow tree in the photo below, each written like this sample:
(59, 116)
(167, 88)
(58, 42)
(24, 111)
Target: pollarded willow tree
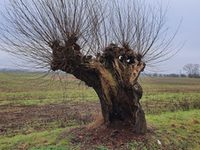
(105, 44)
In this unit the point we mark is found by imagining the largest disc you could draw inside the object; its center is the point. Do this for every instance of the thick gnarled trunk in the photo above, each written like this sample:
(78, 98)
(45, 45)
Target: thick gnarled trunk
(127, 113)
(113, 75)
(121, 104)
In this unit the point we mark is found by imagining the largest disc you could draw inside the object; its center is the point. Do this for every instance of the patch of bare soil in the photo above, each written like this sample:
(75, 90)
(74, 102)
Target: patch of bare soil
(109, 137)
(117, 136)
(14, 119)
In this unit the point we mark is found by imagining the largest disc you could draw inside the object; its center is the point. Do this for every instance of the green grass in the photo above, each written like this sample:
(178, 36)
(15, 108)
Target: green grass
(46, 97)
(34, 140)
(34, 89)
(171, 96)
(180, 129)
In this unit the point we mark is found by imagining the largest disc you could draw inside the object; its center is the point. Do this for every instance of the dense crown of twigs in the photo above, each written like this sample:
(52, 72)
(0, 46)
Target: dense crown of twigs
(32, 26)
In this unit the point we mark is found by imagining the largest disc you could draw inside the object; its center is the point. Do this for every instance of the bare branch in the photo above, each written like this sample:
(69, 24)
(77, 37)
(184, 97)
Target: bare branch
(33, 25)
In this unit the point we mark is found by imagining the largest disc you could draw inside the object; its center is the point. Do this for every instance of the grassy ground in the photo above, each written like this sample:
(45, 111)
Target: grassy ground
(35, 111)
(179, 130)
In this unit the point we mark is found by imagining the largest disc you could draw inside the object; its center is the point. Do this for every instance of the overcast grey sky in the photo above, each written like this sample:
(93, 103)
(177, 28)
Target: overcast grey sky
(189, 32)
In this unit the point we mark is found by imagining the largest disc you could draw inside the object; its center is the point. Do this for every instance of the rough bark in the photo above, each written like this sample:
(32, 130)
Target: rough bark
(113, 75)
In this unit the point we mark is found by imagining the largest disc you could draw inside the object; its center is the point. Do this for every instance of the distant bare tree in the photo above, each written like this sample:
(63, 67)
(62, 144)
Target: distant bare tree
(192, 70)
(106, 44)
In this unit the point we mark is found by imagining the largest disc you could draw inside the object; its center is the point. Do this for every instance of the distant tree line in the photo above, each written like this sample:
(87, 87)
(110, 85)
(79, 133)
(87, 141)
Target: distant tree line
(164, 75)
(190, 70)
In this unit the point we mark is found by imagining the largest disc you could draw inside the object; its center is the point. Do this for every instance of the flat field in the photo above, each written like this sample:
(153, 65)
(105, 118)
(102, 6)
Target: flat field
(40, 111)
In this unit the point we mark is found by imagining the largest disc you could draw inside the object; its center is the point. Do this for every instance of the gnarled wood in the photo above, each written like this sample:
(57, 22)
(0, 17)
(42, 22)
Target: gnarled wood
(114, 78)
